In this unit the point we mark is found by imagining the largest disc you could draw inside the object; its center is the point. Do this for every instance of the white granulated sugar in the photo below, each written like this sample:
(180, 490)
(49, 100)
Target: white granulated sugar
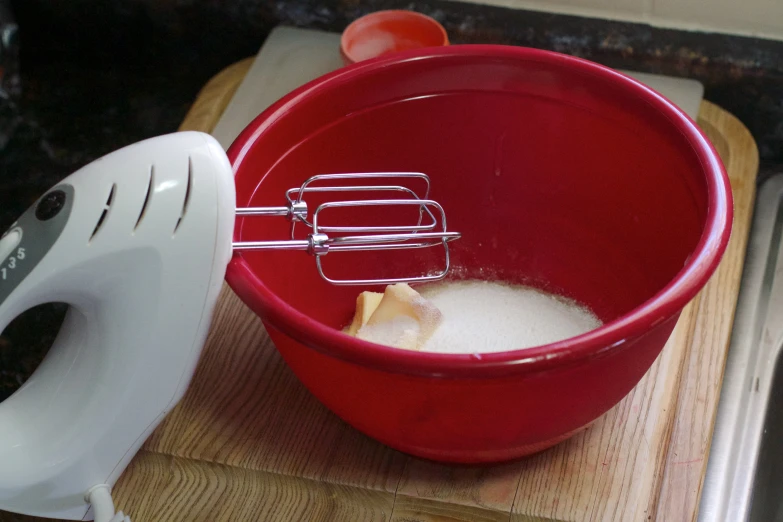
(484, 317)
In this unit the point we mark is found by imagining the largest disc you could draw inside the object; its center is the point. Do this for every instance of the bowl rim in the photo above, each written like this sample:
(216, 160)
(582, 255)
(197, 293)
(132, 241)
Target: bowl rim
(615, 335)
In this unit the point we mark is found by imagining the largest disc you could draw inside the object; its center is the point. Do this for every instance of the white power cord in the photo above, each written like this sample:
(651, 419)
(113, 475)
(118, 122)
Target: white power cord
(103, 506)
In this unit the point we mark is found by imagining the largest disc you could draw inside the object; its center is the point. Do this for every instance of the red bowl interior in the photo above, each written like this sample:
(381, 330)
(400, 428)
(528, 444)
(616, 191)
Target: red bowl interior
(559, 173)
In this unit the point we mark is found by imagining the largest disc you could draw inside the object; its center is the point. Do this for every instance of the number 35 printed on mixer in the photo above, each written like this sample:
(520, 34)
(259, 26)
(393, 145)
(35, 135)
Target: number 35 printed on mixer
(11, 263)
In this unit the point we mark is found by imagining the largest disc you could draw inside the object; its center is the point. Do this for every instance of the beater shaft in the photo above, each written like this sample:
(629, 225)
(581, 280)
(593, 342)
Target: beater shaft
(356, 238)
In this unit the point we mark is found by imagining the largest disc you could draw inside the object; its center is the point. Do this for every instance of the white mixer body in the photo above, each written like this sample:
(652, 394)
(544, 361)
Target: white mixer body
(137, 243)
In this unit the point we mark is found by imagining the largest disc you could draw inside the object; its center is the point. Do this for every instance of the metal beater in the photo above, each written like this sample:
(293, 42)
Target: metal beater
(430, 233)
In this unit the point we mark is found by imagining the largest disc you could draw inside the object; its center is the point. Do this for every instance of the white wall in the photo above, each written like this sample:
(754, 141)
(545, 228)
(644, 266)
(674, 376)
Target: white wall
(763, 18)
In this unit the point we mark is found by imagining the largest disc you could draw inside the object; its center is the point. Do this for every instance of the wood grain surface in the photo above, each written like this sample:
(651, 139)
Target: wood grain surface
(249, 442)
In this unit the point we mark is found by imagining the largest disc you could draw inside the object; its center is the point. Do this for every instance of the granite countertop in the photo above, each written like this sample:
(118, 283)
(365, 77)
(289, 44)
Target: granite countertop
(98, 75)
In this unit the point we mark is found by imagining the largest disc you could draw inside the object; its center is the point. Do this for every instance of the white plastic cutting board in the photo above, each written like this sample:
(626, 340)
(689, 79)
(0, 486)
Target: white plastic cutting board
(290, 57)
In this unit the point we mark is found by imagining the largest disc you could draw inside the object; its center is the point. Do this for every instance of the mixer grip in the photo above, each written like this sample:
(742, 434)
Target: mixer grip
(137, 244)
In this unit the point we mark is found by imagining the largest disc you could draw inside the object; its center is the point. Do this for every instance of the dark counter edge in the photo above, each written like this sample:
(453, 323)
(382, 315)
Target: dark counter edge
(101, 74)
(741, 74)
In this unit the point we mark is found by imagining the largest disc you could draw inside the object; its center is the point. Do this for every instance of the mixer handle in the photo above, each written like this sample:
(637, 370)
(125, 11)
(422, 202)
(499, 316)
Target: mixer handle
(137, 244)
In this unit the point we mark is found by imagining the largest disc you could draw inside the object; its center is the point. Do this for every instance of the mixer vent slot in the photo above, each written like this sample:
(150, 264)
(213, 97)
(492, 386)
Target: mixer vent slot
(105, 211)
(187, 194)
(147, 198)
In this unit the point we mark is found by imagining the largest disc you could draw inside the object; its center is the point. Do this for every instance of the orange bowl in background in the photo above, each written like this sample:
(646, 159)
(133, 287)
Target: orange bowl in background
(385, 32)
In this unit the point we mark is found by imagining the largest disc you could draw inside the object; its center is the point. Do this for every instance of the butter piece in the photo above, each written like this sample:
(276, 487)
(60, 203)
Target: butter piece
(366, 304)
(402, 319)
(401, 331)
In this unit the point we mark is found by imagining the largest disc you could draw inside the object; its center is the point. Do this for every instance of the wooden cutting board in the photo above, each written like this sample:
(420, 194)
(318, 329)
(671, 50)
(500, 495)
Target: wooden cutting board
(249, 442)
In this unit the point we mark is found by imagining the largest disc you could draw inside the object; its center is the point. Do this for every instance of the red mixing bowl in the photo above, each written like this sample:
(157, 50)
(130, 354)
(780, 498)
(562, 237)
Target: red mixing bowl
(559, 173)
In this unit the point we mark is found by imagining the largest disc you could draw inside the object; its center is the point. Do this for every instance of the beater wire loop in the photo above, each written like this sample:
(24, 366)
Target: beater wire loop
(428, 230)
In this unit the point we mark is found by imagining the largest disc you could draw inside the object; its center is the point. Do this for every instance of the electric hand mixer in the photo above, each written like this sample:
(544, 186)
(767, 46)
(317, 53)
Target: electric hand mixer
(110, 241)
